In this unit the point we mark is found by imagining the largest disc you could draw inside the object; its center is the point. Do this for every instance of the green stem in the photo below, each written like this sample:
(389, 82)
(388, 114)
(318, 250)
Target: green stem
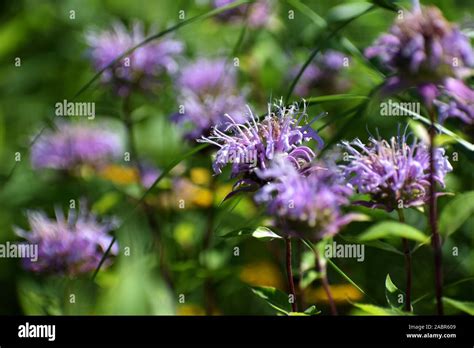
(289, 273)
(408, 267)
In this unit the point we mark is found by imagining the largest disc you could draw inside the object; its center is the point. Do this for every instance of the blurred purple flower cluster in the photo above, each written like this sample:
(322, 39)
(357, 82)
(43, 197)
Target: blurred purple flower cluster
(207, 90)
(258, 13)
(140, 69)
(74, 144)
(67, 246)
(425, 51)
(324, 74)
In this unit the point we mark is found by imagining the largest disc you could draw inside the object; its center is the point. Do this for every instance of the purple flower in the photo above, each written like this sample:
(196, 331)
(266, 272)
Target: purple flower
(423, 48)
(148, 174)
(207, 91)
(456, 100)
(142, 67)
(71, 246)
(258, 12)
(74, 144)
(255, 143)
(392, 172)
(305, 201)
(324, 74)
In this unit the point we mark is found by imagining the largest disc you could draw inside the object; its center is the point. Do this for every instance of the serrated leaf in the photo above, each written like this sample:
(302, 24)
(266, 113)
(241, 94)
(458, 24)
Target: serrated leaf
(393, 229)
(277, 299)
(464, 306)
(456, 212)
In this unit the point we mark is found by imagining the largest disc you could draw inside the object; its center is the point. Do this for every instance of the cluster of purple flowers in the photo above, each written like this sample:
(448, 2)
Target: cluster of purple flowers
(324, 74)
(425, 51)
(300, 194)
(258, 13)
(141, 68)
(424, 47)
(74, 144)
(393, 172)
(207, 91)
(67, 246)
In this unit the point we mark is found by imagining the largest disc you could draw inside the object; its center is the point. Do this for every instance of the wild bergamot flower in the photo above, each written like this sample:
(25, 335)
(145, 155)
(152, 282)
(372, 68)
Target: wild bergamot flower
(71, 246)
(394, 173)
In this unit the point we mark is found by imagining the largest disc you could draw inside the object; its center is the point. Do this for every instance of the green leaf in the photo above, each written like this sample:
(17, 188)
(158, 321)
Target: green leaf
(334, 97)
(265, 233)
(393, 229)
(464, 306)
(347, 11)
(456, 212)
(312, 310)
(260, 232)
(376, 310)
(277, 299)
(241, 232)
(392, 293)
(375, 244)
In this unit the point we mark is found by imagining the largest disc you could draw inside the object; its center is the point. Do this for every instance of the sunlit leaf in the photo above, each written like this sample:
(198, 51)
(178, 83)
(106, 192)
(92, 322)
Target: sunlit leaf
(456, 212)
(277, 299)
(463, 306)
(393, 229)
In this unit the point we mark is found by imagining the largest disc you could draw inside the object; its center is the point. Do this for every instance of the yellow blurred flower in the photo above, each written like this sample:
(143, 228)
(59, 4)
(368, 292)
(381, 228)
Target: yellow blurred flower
(118, 174)
(262, 273)
(190, 309)
(200, 176)
(194, 309)
(340, 292)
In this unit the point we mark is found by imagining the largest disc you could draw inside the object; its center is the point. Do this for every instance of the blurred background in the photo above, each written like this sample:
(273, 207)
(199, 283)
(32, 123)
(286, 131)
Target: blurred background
(173, 258)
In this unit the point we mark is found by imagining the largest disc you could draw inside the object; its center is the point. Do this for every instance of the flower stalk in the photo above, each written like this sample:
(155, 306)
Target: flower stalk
(408, 267)
(289, 273)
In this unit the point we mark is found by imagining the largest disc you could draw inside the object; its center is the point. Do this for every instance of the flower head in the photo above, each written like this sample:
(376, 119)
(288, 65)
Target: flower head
(424, 47)
(139, 69)
(71, 246)
(258, 12)
(456, 100)
(308, 200)
(324, 74)
(208, 90)
(74, 144)
(255, 143)
(393, 172)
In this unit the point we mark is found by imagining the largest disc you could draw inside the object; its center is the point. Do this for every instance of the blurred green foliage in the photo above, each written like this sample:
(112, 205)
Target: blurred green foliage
(54, 66)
